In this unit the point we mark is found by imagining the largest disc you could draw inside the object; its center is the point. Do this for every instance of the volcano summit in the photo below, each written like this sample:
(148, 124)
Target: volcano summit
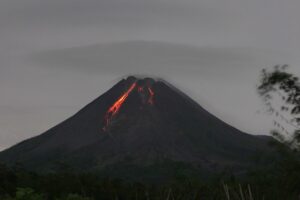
(138, 125)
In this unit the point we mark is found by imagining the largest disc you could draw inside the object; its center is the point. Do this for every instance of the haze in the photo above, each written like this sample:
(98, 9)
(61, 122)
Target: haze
(57, 56)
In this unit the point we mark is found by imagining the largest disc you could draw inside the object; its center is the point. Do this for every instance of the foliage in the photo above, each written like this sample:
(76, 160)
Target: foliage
(276, 182)
(74, 197)
(286, 87)
(27, 194)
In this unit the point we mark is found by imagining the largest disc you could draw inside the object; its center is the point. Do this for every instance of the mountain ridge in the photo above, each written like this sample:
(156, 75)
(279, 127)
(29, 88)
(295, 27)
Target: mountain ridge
(140, 122)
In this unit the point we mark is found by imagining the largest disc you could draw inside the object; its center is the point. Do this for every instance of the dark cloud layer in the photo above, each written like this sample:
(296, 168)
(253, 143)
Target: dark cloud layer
(145, 57)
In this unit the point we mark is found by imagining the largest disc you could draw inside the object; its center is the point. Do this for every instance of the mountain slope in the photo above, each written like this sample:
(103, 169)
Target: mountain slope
(140, 122)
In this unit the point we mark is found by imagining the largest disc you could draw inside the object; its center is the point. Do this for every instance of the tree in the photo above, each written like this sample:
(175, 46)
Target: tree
(280, 91)
(74, 197)
(28, 194)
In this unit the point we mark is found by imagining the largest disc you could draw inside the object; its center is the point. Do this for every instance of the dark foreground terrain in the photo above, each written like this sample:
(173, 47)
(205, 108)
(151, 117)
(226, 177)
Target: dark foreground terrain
(281, 181)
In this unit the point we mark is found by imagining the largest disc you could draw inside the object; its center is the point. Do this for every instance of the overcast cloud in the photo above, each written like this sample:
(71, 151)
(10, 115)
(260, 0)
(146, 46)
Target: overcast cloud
(56, 56)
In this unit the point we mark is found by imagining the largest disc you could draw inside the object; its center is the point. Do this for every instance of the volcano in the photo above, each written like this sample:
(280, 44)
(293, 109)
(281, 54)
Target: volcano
(138, 125)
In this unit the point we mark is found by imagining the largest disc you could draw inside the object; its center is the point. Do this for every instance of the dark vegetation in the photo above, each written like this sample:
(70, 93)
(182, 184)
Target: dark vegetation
(280, 90)
(281, 181)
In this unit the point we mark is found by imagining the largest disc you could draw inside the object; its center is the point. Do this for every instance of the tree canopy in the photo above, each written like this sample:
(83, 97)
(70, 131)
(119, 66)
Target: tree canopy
(280, 91)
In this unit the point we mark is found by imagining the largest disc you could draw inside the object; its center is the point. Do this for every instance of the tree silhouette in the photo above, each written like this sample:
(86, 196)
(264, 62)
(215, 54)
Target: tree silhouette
(280, 91)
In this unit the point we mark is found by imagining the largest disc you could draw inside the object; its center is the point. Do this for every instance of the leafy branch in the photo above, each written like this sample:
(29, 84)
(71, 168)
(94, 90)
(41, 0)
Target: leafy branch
(279, 83)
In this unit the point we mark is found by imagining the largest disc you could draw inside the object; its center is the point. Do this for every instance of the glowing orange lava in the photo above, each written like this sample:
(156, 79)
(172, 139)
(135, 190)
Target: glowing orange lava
(140, 89)
(150, 101)
(117, 105)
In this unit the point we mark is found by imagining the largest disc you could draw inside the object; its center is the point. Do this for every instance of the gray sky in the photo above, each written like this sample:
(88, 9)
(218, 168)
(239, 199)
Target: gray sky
(56, 56)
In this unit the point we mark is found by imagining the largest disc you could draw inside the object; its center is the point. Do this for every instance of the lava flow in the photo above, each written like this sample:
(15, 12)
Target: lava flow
(150, 101)
(116, 106)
